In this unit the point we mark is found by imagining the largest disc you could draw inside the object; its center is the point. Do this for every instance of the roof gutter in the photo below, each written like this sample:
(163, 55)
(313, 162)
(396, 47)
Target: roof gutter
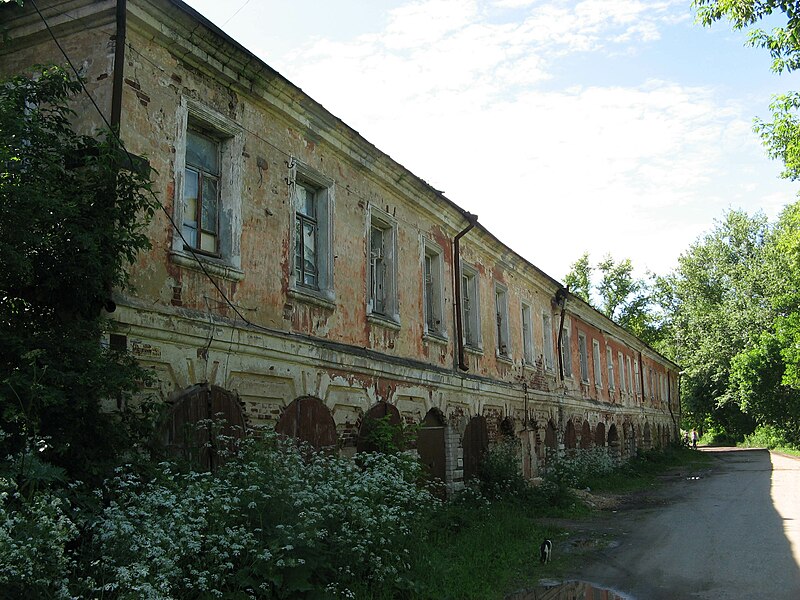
(472, 220)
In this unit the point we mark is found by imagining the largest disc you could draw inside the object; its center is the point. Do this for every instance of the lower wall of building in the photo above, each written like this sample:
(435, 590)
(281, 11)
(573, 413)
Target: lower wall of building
(269, 370)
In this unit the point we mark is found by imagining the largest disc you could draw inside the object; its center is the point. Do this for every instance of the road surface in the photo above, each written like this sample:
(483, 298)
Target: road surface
(730, 531)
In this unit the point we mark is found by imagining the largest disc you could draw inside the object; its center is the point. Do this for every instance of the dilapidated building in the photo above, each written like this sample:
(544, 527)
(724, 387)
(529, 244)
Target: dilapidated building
(301, 278)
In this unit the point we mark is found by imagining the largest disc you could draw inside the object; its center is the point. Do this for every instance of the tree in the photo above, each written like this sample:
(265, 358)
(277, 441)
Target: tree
(579, 278)
(619, 295)
(765, 379)
(72, 212)
(720, 309)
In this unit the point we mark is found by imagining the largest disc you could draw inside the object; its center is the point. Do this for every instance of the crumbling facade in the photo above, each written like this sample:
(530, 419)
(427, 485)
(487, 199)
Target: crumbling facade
(301, 278)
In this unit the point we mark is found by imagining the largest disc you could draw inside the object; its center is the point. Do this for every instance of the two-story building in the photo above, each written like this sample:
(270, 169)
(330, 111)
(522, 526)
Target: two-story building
(301, 278)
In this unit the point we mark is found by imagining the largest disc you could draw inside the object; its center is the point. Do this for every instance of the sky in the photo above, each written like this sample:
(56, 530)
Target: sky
(616, 127)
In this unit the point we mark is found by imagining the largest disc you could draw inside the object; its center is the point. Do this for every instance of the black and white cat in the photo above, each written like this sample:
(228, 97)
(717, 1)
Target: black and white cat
(546, 551)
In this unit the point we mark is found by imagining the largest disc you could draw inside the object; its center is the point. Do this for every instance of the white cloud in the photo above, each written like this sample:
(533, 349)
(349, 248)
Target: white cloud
(456, 92)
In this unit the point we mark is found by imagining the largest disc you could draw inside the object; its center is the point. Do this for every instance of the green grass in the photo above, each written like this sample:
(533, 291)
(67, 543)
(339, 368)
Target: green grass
(483, 553)
(642, 472)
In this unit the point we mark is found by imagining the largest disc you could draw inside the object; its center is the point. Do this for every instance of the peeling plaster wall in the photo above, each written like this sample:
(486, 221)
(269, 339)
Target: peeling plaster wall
(177, 323)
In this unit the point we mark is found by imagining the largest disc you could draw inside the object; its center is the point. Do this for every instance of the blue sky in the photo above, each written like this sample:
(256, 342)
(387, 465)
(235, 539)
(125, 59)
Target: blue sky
(613, 126)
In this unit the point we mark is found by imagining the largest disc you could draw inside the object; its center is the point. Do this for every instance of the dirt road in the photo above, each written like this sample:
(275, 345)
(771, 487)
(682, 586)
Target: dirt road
(730, 531)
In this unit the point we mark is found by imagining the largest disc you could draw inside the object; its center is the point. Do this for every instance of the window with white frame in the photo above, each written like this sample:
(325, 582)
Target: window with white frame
(382, 269)
(583, 355)
(636, 377)
(208, 203)
(547, 341)
(651, 384)
(433, 290)
(610, 362)
(501, 314)
(630, 374)
(621, 364)
(201, 191)
(312, 258)
(470, 307)
(598, 367)
(527, 334)
(566, 351)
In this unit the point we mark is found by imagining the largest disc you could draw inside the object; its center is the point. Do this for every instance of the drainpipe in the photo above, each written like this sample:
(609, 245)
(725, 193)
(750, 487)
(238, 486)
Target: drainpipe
(472, 221)
(119, 64)
(561, 301)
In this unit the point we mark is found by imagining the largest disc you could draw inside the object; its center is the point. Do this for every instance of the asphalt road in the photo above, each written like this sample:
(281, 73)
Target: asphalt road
(728, 532)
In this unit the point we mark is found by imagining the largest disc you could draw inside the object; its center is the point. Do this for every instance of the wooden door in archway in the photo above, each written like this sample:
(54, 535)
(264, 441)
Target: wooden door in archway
(203, 425)
(430, 445)
(475, 444)
(309, 420)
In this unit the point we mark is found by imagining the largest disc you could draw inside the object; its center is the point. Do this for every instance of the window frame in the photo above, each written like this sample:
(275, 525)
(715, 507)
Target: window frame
(503, 344)
(610, 365)
(324, 193)
(583, 357)
(226, 261)
(621, 363)
(387, 225)
(471, 321)
(527, 333)
(598, 365)
(433, 294)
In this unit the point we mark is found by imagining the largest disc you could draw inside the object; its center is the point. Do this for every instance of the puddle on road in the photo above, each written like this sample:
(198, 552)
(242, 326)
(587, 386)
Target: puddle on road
(568, 590)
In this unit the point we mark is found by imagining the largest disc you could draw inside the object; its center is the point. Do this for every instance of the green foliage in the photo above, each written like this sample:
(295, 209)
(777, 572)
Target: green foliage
(767, 436)
(381, 435)
(630, 302)
(277, 522)
(499, 473)
(71, 218)
(580, 467)
(492, 552)
(579, 278)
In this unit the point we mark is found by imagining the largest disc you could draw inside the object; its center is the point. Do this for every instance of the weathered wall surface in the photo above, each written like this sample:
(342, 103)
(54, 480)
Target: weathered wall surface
(239, 319)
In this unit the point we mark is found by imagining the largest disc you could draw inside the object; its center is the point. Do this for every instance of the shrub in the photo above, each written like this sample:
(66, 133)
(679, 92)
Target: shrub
(277, 521)
(580, 466)
(499, 473)
(34, 533)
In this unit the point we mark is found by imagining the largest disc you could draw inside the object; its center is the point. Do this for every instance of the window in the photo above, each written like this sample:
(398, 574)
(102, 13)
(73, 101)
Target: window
(547, 341)
(636, 377)
(610, 361)
(527, 334)
(651, 384)
(208, 190)
(630, 374)
(470, 307)
(501, 313)
(382, 267)
(621, 363)
(306, 244)
(312, 199)
(566, 351)
(201, 192)
(598, 369)
(433, 290)
(584, 357)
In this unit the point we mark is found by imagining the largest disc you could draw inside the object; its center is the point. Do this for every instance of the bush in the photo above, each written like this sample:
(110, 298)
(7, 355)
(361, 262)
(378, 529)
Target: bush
(767, 436)
(580, 467)
(499, 473)
(34, 533)
(278, 521)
